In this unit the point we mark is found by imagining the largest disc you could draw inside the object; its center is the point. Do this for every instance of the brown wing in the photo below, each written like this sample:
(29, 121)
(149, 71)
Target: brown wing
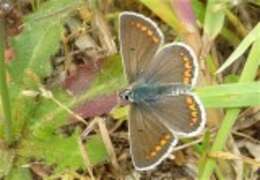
(150, 140)
(139, 39)
(184, 114)
(173, 63)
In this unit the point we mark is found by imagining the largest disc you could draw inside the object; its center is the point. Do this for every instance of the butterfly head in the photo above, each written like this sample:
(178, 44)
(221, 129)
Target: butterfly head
(126, 95)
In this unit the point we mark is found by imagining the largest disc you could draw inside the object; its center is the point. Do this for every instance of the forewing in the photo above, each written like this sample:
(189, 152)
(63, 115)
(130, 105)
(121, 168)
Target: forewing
(139, 40)
(173, 63)
(150, 140)
(184, 114)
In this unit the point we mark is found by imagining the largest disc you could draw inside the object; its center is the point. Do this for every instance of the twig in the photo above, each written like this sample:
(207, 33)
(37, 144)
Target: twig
(246, 137)
(186, 145)
(48, 94)
(197, 141)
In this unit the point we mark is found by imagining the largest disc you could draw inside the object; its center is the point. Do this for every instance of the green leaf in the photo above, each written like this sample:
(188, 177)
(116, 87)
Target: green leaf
(243, 46)
(38, 134)
(39, 40)
(44, 141)
(120, 112)
(54, 10)
(214, 17)
(42, 138)
(109, 79)
(96, 150)
(33, 49)
(19, 174)
(63, 152)
(22, 114)
(6, 160)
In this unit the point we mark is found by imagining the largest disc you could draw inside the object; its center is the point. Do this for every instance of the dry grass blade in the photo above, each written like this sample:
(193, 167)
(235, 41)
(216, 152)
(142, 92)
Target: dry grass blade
(108, 143)
(86, 159)
(89, 128)
(230, 156)
(237, 165)
(101, 27)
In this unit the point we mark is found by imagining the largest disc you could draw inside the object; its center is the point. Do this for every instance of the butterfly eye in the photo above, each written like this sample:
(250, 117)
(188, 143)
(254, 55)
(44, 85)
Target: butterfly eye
(126, 95)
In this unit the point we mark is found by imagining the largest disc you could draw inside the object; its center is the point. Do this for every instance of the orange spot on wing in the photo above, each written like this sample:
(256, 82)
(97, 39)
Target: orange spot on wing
(186, 59)
(194, 114)
(187, 65)
(143, 28)
(167, 136)
(153, 153)
(149, 33)
(155, 39)
(132, 23)
(192, 107)
(187, 73)
(194, 120)
(158, 148)
(163, 142)
(189, 100)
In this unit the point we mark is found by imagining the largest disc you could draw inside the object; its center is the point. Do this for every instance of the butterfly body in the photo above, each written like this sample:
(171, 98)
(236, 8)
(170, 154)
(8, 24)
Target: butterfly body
(161, 78)
(148, 93)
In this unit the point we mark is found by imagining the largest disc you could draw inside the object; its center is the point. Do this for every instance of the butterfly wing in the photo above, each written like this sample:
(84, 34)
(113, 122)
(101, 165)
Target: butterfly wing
(139, 39)
(173, 63)
(184, 114)
(150, 140)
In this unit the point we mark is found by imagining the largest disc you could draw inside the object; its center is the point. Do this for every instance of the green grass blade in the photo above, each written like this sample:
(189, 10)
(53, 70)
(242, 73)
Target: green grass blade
(214, 17)
(199, 9)
(230, 95)
(248, 40)
(163, 9)
(4, 93)
(248, 75)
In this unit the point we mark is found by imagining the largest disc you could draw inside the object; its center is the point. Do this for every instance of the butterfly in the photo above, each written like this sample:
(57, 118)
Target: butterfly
(161, 77)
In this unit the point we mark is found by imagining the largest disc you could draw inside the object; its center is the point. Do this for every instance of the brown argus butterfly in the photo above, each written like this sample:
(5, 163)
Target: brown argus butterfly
(162, 106)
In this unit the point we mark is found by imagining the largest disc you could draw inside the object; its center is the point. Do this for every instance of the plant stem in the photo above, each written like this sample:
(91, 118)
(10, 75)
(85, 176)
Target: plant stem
(3, 87)
(247, 75)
